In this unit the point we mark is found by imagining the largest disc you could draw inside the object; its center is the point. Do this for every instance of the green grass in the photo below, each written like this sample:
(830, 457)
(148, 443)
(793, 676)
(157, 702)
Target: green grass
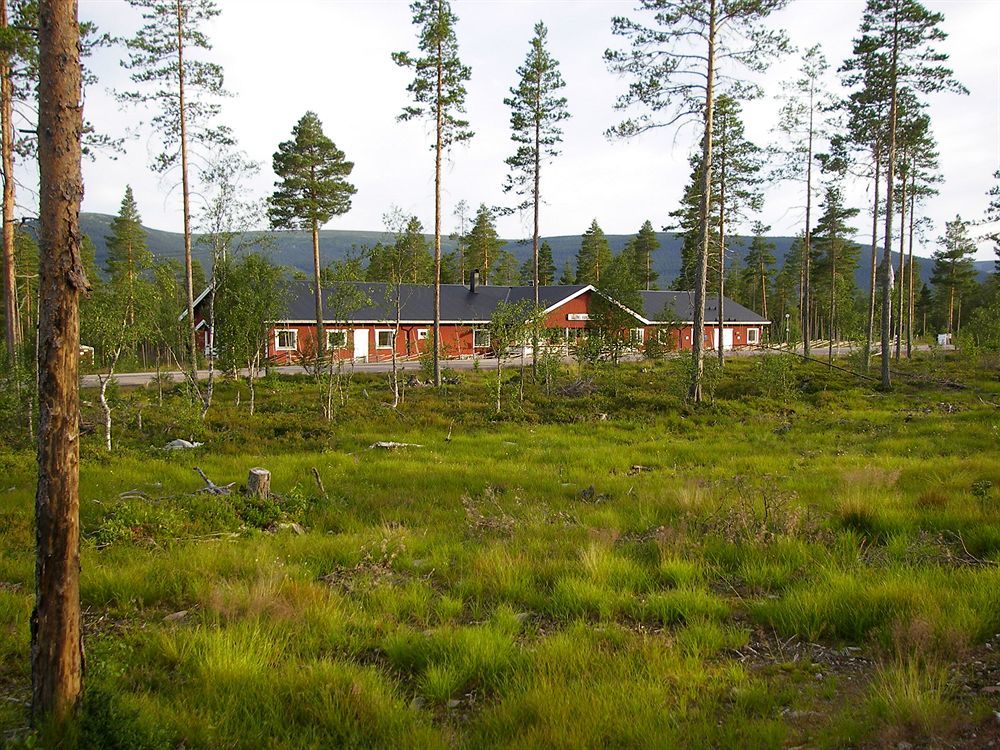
(515, 581)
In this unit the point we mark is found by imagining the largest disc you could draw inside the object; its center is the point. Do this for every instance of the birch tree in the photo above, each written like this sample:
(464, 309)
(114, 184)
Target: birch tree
(438, 91)
(673, 65)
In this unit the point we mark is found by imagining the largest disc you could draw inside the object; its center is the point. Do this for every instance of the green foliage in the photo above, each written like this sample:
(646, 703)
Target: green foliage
(536, 110)
(249, 297)
(152, 60)
(953, 274)
(774, 375)
(438, 44)
(594, 255)
(483, 245)
(505, 270)
(610, 313)
(312, 173)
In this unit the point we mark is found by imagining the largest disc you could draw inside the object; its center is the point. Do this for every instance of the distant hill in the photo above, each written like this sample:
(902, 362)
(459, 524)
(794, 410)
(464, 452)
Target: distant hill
(294, 249)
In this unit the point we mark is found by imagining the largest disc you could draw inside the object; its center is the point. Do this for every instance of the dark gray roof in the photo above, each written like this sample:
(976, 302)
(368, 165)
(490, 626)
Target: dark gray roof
(680, 307)
(458, 304)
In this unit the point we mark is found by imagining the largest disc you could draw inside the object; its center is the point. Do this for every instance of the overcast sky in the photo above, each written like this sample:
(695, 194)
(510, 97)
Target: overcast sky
(333, 57)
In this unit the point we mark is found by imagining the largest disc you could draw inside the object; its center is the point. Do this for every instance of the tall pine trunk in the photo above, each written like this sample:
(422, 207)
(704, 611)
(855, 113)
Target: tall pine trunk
(56, 637)
(909, 266)
(701, 274)
(902, 256)
(722, 245)
(186, 195)
(807, 253)
(536, 192)
(11, 313)
(890, 170)
(870, 331)
(317, 276)
(438, 145)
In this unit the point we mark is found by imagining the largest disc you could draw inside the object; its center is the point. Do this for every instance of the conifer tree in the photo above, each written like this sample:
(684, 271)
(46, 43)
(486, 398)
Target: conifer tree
(953, 272)
(505, 270)
(758, 267)
(837, 256)
(128, 257)
(184, 90)
(644, 245)
(546, 267)
(805, 126)
(311, 190)
(669, 76)
(738, 163)
(594, 255)
(993, 221)
(535, 113)
(438, 91)
(568, 274)
(483, 244)
(896, 46)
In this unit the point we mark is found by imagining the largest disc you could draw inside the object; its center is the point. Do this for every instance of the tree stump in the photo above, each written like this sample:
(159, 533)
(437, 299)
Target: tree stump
(259, 483)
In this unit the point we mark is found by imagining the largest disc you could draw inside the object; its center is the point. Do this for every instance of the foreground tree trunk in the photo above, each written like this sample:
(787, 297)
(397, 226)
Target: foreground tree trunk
(11, 316)
(870, 332)
(318, 280)
(890, 173)
(56, 641)
(186, 196)
(438, 147)
(698, 335)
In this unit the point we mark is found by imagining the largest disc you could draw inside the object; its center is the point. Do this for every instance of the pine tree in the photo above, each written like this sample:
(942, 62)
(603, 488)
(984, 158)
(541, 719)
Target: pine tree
(127, 256)
(667, 76)
(505, 271)
(312, 188)
(546, 265)
(438, 91)
(645, 245)
(568, 274)
(483, 245)
(993, 220)
(837, 257)
(184, 89)
(805, 125)
(738, 164)
(593, 256)
(896, 48)
(56, 621)
(953, 272)
(535, 113)
(758, 268)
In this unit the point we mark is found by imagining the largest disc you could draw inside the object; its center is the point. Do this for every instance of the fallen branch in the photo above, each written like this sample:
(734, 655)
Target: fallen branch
(319, 481)
(392, 444)
(212, 487)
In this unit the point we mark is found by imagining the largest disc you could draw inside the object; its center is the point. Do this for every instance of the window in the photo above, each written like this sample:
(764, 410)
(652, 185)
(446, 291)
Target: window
(637, 335)
(480, 338)
(421, 334)
(753, 335)
(383, 338)
(336, 339)
(286, 339)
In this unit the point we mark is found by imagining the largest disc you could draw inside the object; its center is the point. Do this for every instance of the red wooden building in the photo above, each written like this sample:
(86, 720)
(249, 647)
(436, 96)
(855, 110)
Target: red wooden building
(367, 333)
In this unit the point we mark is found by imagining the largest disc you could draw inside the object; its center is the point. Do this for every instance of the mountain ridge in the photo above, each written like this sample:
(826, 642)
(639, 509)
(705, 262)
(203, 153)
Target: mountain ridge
(294, 248)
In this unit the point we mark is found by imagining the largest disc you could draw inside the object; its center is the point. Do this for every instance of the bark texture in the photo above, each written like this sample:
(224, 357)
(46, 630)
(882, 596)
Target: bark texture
(56, 642)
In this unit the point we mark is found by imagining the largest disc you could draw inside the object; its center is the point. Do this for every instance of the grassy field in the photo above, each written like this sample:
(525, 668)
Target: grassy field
(803, 562)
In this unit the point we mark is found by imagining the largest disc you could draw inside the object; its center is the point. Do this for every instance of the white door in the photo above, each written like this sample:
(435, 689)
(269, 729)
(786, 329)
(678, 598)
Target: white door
(361, 343)
(727, 338)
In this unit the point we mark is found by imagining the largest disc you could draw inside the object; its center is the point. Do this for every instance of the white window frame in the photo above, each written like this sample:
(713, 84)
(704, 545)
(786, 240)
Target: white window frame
(753, 335)
(422, 334)
(334, 345)
(392, 336)
(637, 335)
(277, 339)
(476, 333)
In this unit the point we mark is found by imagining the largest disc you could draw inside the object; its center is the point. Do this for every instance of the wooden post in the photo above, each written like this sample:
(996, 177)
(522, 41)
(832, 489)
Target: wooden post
(259, 483)
(56, 640)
